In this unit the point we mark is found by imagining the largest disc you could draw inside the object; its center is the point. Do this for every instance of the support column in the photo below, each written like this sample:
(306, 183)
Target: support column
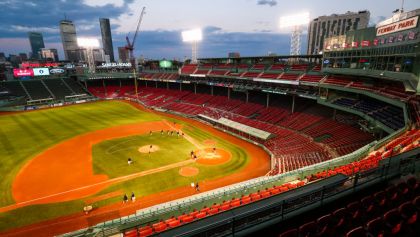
(103, 84)
(156, 84)
(211, 90)
(247, 96)
(334, 114)
(180, 86)
(167, 85)
(195, 88)
(146, 82)
(86, 84)
(228, 93)
(120, 83)
(293, 104)
(268, 100)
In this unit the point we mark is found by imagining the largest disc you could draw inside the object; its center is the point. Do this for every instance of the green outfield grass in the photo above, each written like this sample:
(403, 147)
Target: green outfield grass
(110, 157)
(24, 135)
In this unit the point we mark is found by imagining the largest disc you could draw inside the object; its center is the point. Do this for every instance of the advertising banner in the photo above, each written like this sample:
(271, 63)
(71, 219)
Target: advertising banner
(18, 72)
(397, 26)
(41, 71)
(57, 71)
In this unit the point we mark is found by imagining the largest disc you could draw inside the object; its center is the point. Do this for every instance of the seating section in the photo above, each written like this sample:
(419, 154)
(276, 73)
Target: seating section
(313, 78)
(189, 69)
(37, 90)
(58, 88)
(15, 88)
(296, 134)
(389, 115)
(392, 211)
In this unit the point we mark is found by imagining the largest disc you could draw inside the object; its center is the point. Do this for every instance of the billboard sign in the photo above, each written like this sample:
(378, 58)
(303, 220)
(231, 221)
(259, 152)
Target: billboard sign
(397, 26)
(18, 72)
(30, 64)
(57, 71)
(165, 64)
(41, 71)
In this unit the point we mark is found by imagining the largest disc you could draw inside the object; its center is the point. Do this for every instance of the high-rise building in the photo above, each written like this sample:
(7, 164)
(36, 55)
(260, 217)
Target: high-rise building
(69, 39)
(334, 25)
(123, 54)
(49, 54)
(107, 38)
(37, 43)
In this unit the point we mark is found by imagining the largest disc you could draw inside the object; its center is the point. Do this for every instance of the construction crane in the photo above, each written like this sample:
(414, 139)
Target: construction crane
(130, 45)
(130, 48)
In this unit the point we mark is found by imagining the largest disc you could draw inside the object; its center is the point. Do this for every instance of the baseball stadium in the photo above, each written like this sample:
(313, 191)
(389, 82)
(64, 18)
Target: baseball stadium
(281, 145)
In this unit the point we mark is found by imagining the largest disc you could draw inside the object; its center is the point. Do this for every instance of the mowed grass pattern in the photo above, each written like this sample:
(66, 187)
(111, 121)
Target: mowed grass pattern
(110, 157)
(24, 135)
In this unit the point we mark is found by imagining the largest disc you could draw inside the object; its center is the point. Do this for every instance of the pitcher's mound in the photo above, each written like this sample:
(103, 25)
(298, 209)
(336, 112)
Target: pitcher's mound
(147, 148)
(208, 156)
(188, 171)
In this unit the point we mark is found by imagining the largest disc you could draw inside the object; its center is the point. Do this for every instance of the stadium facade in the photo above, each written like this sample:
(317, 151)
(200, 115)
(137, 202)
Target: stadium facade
(334, 25)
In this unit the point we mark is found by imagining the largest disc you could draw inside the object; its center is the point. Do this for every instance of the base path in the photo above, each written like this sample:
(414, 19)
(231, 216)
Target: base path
(68, 166)
(258, 165)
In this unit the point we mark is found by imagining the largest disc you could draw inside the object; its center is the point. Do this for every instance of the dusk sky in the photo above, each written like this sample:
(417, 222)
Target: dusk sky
(249, 27)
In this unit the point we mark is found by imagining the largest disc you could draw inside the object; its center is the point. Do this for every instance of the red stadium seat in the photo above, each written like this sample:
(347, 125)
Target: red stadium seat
(130, 233)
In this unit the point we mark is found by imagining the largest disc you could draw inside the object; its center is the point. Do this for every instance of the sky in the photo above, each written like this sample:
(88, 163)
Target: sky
(250, 27)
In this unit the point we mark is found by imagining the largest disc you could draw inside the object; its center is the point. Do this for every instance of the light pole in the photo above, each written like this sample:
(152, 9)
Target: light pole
(193, 36)
(295, 22)
(89, 44)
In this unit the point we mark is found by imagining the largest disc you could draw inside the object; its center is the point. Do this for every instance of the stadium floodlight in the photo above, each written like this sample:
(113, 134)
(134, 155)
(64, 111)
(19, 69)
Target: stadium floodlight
(89, 44)
(193, 36)
(295, 21)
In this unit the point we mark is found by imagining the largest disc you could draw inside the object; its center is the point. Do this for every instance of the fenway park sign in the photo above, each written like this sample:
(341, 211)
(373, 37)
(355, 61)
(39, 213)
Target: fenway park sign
(397, 26)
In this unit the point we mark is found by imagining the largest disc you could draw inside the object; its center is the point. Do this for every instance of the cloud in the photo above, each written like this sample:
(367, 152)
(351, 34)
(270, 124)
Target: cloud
(19, 28)
(270, 3)
(101, 3)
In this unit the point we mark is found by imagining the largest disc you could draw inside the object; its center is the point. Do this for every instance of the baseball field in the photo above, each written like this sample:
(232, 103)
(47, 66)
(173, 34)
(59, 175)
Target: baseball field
(56, 161)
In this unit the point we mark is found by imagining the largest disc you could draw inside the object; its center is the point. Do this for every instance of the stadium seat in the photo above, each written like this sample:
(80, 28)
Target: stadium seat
(308, 229)
(324, 225)
(187, 219)
(236, 203)
(130, 233)
(357, 232)
(408, 213)
(225, 207)
(214, 211)
(146, 232)
(376, 227)
(200, 215)
(393, 221)
(174, 223)
(290, 233)
(245, 200)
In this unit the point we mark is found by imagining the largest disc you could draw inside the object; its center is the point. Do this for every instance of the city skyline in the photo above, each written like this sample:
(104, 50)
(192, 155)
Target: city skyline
(253, 32)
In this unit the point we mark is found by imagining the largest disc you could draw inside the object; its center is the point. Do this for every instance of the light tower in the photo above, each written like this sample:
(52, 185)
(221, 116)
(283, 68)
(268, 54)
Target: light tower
(89, 44)
(193, 36)
(296, 22)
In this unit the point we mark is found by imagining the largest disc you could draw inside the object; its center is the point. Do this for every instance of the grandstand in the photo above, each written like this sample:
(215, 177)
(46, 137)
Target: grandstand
(334, 133)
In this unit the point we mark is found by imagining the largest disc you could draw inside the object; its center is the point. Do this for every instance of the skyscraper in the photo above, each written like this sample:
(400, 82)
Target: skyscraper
(123, 54)
(37, 43)
(334, 25)
(69, 39)
(107, 38)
